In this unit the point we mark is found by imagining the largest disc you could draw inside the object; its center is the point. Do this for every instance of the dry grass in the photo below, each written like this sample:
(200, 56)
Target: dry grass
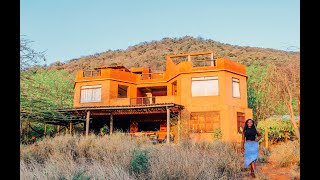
(287, 155)
(110, 157)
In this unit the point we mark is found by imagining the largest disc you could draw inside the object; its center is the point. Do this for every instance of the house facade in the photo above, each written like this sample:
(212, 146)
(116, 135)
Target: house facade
(192, 99)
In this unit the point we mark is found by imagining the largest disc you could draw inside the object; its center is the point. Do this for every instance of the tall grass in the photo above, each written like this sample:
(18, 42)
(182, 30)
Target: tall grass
(287, 155)
(115, 156)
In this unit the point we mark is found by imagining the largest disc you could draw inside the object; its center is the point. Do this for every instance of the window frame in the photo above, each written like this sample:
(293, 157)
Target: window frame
(205, 78)
(236, 80)
(90, 87)
(201, 127)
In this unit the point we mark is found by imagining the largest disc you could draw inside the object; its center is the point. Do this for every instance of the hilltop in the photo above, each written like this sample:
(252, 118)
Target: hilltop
(152, 54)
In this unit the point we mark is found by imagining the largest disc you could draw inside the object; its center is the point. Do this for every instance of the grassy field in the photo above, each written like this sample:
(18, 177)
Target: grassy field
(122, 157)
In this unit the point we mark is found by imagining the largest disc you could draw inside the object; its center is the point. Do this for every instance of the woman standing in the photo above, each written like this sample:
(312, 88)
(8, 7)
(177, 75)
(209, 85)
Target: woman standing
(250, 145)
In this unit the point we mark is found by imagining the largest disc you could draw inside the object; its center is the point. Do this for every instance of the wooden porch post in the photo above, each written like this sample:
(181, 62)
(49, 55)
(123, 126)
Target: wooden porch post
(168, 125)
(28, 128)
(111, 124)
(70, 127)
(58, 129)
(212, 64)
(266, 138)
(179, 124)
(87, 123)
(45, 129)
(189, 58)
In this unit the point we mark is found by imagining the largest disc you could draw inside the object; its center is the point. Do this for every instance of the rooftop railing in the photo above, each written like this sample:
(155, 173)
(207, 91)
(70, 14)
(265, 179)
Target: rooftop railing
(91, 73)
(151, 76)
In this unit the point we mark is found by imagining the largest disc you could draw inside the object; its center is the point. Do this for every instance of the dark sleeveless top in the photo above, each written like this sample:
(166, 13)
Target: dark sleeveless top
(250, 134)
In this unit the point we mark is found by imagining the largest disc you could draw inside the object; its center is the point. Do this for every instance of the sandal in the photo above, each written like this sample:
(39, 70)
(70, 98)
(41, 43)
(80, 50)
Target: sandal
(253, 175)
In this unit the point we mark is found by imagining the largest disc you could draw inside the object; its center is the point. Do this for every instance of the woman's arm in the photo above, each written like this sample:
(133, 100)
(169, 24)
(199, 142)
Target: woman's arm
(258, 135)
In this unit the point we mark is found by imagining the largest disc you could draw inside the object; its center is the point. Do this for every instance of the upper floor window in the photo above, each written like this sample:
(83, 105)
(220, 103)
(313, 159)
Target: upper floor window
(90, 94)
(122, 91)
(205, 86)
(235, 87)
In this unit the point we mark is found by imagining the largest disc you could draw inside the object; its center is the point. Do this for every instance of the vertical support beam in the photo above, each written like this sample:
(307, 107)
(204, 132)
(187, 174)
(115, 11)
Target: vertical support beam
(111, 124)
(179, 128)
(70, 127)
(87, 123)
(189, 58)
(28, 128)
(168, 125)
(212, 64)
(58, 129)
(20, 129)
(45, 129)
(266, 137)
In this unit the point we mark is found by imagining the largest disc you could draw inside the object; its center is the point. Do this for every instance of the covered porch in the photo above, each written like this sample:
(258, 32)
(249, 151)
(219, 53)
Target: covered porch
(147, 119)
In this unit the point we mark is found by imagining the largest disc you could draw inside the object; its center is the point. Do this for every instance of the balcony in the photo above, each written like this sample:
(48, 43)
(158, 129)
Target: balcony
(143, 100)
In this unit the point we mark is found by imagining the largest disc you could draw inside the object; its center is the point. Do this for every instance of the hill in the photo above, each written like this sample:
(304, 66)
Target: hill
(152, 54)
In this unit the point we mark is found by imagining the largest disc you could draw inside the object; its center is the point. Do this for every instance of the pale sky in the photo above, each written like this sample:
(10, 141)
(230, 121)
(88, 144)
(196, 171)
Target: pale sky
(69, 29)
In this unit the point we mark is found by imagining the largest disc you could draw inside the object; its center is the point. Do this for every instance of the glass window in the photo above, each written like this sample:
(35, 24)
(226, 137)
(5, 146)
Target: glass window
(90, 94)
(202, 122)
(205, 86)
(235, 87)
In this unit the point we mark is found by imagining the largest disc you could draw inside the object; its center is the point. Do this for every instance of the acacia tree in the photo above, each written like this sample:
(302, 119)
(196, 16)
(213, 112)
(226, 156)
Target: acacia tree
(261, 94)
(287, 83)
(28, 56)
(41, 90)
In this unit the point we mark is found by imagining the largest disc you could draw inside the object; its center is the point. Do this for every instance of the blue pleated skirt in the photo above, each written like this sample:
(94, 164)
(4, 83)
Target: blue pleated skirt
(251, 150)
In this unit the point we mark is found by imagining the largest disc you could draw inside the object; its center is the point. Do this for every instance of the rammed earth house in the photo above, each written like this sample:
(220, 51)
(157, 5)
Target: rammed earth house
(190, 99)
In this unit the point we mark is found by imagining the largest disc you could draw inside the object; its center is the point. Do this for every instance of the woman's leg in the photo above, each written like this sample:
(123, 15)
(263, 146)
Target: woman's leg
(253, 166)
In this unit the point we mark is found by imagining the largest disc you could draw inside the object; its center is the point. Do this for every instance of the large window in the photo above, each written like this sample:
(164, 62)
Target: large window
(205, 86)
(235, 87)
(201, 122)
(90, 94)
(240, 121)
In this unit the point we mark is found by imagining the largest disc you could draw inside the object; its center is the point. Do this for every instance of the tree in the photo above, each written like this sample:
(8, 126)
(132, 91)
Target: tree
(28, 56)
(287, 83)
(261, 94)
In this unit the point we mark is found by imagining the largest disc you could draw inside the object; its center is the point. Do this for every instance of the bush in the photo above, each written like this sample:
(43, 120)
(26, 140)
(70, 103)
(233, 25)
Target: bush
(217, 134)
(277, 129)
(286, 154)
(139, 163)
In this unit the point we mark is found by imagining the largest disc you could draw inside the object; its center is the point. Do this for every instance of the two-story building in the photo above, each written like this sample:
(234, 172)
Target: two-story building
(189, 100)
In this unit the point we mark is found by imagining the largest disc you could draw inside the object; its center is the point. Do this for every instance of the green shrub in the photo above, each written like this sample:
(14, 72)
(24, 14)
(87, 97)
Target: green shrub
(262, 159)
(277, 129)
(217, 134)
(79, 175)
(140, 161)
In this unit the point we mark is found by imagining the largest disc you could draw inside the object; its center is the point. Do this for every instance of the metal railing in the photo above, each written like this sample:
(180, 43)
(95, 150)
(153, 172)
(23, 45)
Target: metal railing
(142, 100)
(203, 63)
(91, 73)
(151, 76)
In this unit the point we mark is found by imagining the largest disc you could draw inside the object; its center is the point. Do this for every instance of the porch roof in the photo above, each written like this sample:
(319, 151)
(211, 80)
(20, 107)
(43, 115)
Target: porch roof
(124, 109)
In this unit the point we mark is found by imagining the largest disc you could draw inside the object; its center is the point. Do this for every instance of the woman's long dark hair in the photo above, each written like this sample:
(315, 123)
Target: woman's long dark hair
(246, 125)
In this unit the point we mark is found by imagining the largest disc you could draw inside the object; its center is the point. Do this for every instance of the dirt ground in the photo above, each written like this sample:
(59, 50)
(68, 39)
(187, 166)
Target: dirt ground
(268, 171)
